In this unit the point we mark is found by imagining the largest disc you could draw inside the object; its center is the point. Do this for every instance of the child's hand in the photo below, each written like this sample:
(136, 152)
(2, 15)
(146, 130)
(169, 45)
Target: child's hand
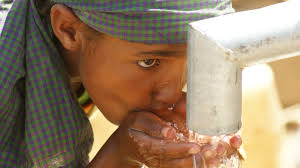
(144, 138)
(147, 138)
(211, 151)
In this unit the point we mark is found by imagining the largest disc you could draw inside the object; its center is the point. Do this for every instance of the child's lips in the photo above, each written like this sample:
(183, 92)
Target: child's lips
(161, 106)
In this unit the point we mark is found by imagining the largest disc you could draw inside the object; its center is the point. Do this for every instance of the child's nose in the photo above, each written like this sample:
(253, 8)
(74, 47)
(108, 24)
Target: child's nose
(168, 93)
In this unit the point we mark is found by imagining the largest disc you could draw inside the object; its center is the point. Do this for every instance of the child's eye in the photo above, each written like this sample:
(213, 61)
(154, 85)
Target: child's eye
(148, 63)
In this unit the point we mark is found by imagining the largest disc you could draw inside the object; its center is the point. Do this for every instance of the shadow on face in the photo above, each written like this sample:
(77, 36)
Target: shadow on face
(123, 77)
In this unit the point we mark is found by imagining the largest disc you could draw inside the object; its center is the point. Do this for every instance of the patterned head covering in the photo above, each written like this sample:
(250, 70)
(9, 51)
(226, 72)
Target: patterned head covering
(41, 123)
(147, 21)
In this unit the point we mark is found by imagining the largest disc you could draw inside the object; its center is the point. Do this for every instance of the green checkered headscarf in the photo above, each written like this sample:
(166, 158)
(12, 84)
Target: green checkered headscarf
(147, 21)
(41, 122)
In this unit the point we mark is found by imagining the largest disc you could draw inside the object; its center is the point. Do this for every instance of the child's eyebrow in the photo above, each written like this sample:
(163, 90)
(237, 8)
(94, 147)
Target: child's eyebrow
(162, 53)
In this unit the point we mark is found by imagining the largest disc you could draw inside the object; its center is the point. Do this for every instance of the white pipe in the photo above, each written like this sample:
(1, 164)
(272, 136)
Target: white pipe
(218, 49)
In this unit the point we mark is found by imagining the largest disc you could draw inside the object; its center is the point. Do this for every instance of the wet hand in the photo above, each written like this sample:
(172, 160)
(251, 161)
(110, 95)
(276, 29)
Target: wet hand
(217, 148)
(149, 140)
(213, 149)
(144, 138)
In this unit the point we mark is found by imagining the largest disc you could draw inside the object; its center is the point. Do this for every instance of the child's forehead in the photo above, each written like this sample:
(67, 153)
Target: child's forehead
(146, 47)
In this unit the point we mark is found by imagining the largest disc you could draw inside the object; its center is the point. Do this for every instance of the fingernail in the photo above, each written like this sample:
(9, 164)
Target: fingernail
(168, 132)
(194, 150)
(236, 141)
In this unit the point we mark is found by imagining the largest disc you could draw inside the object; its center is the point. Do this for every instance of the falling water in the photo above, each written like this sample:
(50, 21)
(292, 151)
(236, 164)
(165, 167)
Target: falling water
(194, 162)
(232, 161)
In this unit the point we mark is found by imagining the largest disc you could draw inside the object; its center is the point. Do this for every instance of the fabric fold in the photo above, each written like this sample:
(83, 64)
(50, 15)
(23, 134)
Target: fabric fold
(42, 123)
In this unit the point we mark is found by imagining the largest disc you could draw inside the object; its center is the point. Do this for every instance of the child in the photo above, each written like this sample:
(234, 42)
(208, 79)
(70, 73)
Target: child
(130, 56)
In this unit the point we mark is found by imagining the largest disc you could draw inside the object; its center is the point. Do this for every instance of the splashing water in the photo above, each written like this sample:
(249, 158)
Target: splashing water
(233, 161)
(194, 162)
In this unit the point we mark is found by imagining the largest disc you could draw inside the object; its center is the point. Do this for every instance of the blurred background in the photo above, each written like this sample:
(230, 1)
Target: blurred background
(271, 107)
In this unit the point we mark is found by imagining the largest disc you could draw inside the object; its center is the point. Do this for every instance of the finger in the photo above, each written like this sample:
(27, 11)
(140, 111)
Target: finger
(224, 149)
(165, 149)
(152, 125)
(195, 161)
(221, 149)
(203, 139)
(213, 162)
(230, 144)
(236, 141)
(208, 152)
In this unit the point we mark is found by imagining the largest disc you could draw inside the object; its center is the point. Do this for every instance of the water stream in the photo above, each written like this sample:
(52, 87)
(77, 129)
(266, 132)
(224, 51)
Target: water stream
(231, 161)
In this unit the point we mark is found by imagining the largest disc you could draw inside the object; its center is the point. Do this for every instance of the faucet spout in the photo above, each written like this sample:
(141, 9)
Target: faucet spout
(219, 48)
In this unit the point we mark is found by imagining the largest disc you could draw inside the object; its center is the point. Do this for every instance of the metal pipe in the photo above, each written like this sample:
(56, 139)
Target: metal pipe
(219, 48)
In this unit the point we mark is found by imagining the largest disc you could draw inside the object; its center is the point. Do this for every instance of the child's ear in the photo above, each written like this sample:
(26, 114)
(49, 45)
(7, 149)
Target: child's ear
(65, 26)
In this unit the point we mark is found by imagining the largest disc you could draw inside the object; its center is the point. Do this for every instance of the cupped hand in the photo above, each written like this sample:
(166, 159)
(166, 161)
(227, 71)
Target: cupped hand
(160, 139)
(213, 148)
(217, 149)
(144, 138)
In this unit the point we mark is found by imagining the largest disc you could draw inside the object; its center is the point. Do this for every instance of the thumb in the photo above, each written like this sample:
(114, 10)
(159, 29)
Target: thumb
(152, 125)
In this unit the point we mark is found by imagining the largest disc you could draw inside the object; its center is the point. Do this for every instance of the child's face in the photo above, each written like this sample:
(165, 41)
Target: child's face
(123, 77)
